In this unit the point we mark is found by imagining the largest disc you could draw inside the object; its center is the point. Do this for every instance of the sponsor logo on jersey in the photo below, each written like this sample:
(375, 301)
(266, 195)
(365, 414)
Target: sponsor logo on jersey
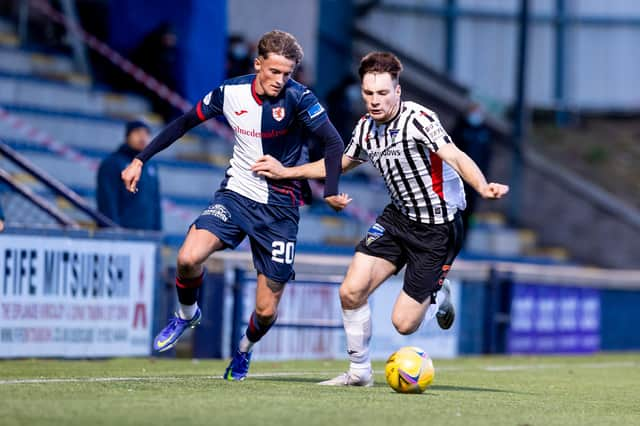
(278, 113)
(207, 99)
(376, 231)
(434, 131)
(219, 211)
(315, 111)
(241, 112)
(387, 152)
(257, 134)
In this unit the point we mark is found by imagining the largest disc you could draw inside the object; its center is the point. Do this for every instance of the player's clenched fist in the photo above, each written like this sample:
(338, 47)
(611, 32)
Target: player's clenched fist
(338, 202)
(131, 175)
(494, 191)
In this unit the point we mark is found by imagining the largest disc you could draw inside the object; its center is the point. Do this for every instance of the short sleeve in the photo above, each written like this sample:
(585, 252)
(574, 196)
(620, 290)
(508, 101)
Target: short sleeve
(355, 149)
(211, 105)
(429, 130)
(310, 112)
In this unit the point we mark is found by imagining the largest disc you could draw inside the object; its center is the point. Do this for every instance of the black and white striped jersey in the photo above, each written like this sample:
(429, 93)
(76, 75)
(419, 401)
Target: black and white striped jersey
(421, 185)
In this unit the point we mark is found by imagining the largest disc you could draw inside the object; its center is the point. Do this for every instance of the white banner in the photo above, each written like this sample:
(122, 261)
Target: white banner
(71, 297)
(310, 324)
(436, 342)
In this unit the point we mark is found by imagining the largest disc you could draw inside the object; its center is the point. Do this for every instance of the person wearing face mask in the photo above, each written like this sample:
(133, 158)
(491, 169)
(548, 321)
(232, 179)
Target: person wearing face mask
(238, 57)
(420, 228)
(474, 137)
(157, 54)
(341, 101)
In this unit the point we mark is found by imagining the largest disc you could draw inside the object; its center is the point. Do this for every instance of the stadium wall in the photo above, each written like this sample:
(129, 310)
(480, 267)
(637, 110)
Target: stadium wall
(252, 19)
(589, 67)
(513, 308)
(563, 208)
(201, 27)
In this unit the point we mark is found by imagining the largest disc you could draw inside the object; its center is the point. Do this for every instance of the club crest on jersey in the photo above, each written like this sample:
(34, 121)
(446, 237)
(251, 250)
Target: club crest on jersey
(376, 231)
(394, 132)
(278, 113)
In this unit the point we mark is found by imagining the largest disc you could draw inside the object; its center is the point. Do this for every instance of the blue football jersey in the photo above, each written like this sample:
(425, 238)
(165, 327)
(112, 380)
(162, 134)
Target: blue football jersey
(264, 125)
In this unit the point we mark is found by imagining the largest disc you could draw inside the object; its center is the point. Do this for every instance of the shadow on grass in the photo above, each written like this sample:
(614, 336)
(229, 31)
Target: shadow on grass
(430, 391)
(289, 379)
(448, 388)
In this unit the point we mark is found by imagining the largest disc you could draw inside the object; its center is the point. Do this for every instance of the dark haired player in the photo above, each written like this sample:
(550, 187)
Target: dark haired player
(421, 227)
(268, 112)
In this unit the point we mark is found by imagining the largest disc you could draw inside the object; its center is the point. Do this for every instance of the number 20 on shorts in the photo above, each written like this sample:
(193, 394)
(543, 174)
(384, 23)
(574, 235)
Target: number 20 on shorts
(283, 252)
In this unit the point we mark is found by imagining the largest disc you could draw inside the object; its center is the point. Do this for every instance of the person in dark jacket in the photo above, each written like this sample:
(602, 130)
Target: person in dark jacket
(134, 211)
(473, 136)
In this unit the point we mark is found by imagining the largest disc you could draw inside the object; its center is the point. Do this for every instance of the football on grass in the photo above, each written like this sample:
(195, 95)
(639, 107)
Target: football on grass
(409, 370)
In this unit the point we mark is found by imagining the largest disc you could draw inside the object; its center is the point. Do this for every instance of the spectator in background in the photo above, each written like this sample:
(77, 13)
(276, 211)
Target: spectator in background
(343, 104)
(473, 136)
(134, 211)
(239, 61)
(157, 54)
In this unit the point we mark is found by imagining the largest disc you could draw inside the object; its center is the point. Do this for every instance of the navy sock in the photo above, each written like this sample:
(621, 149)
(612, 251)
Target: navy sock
(256, 330)
(187, 289)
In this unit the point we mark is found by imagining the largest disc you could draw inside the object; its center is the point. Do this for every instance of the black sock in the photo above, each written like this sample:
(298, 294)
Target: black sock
(256, 329)
(188, 289)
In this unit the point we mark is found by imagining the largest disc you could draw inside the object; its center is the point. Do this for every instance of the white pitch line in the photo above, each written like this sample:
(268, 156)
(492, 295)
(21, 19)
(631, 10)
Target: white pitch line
(151, 378)
(490, 368)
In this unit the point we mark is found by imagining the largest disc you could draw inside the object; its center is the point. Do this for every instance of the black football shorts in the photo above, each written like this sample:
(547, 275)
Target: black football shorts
(427, 250)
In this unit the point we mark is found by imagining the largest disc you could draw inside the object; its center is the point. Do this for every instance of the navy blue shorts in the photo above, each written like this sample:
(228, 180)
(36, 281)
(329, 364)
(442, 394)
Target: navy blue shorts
(272, 231)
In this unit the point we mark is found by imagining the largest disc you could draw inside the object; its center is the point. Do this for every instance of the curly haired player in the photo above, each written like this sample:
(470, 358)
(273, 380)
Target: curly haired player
(268, 112)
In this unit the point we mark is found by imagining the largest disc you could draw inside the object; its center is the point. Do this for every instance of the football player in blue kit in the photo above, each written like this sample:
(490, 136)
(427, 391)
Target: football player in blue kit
(268, 112)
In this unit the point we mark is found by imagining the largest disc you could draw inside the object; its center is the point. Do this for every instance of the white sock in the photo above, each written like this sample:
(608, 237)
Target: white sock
(186, 312)
(245, 344)
(357, 326)
(432, 310)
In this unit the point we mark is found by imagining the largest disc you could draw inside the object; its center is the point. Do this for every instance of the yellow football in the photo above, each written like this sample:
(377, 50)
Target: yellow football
(409, 370)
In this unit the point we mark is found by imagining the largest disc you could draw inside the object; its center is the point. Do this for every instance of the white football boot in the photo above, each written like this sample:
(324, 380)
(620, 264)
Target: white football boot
(350, 379)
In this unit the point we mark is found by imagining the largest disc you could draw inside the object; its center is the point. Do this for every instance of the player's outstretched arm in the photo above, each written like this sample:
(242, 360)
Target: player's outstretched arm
(269, 167)
(174, 131)
(470, 172)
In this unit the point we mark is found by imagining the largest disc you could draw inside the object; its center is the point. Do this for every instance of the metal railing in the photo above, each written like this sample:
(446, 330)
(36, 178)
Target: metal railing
(25, 199)
(55, 186)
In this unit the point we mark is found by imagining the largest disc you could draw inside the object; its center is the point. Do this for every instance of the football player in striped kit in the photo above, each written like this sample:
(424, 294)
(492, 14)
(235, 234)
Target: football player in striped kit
(270, 113)
(421, 227)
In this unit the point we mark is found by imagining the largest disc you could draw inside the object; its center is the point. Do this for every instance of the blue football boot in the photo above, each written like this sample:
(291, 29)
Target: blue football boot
(169, 335)
(238, 367)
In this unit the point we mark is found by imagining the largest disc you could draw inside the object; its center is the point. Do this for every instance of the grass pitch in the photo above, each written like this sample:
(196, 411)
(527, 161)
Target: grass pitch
(599, 390)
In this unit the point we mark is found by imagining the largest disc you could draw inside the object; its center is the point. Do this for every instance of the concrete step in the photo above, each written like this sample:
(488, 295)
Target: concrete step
(500, 242)
(560, 254)
(101, 133)
(25, 91)
(56, 67)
